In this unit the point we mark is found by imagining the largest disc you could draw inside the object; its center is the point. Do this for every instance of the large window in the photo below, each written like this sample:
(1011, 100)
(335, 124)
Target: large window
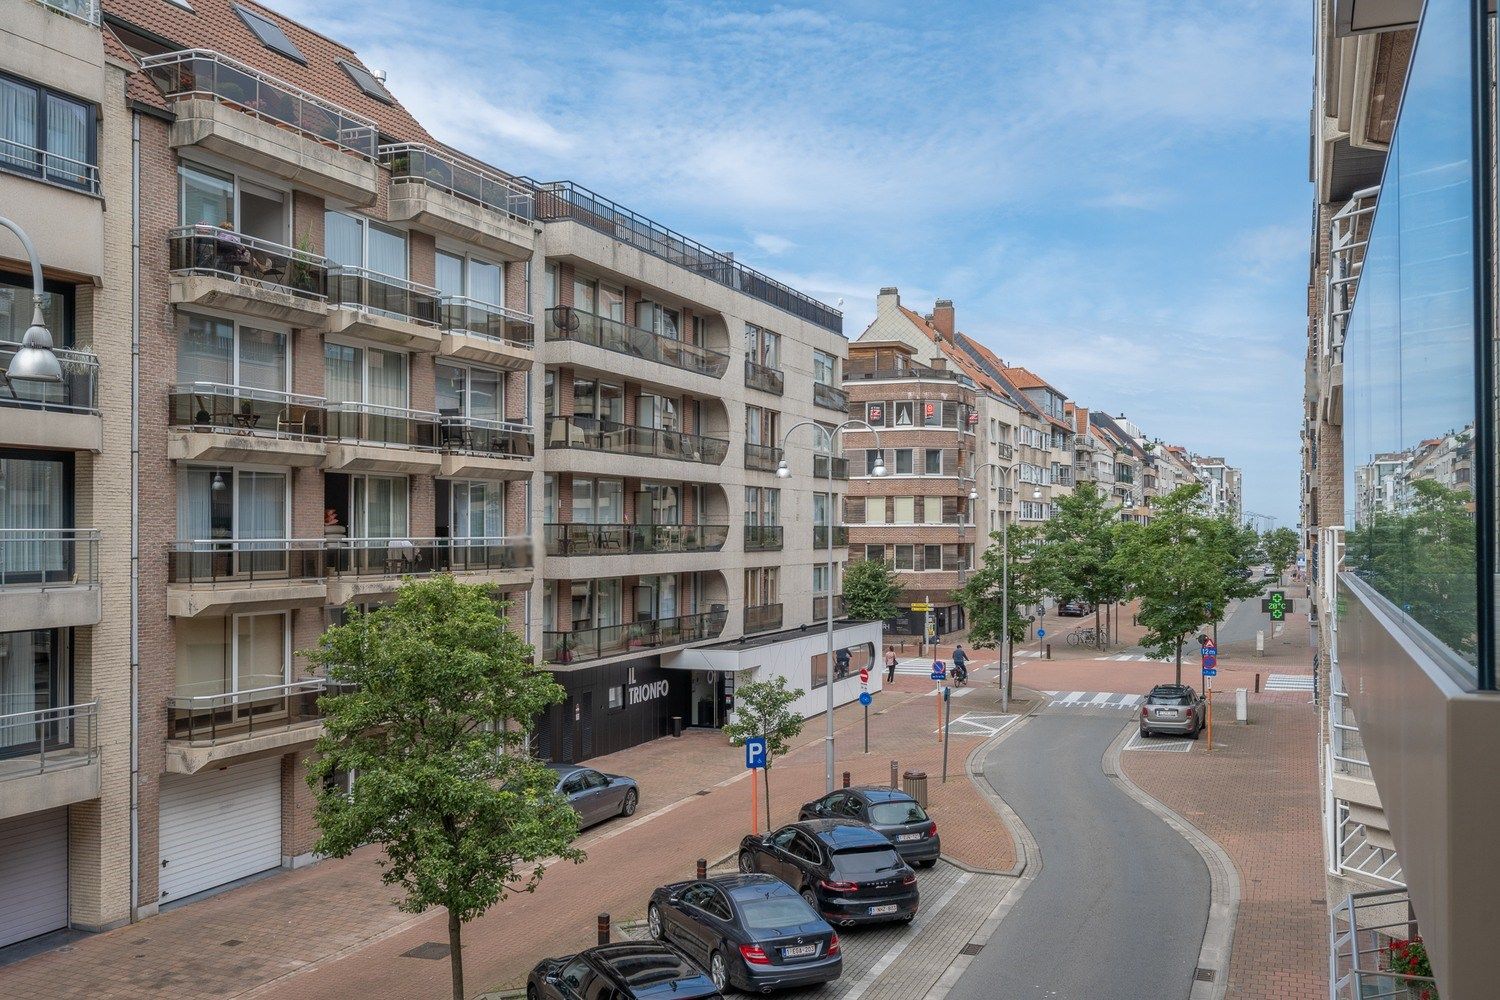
(34, 675)
(825, 367)
(222, 503)
(47, 135)
(217, 198)
(15, 309)
(470, 391)
(470, 277)
(231, 654)
(471, 508)
(220, 352)
(355, 241)
(847, 662)
(372, 375)
(36, 494)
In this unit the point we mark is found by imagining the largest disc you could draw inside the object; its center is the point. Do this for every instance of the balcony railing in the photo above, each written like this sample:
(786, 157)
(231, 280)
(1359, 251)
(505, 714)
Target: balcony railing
(611, 640)
(763, 537)
(577, 326)
(633, 539)
(762, 618)
(49, 557)
(762, 457)
(414, 163)
(1362, 931)
(361, 288)
(369, 423)
(820, 466)
(565, 200)
(212, 406)
(238, 561)
(76, 393)
(209, 75)
(224, 253)
(830, 397)
(45, 165)
(840, 536)
(210, 719)
(46, 739)
(86, 11)
(481, 319)
(232, 562)
(867, 371)
(820, 607)
(763, 378)
(477, 436)
(592, 434)
(856, 513)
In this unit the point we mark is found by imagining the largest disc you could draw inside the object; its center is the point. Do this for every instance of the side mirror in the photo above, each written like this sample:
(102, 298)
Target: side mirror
(672, 899)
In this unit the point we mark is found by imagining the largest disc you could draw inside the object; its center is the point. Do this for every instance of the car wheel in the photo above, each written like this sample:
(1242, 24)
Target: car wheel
(531, 993)
(812, 899)
(1195, 732)
(747, 862)
(927, 864)
(653, 923)
(1145, 733)
(718, 971)
(628, 809)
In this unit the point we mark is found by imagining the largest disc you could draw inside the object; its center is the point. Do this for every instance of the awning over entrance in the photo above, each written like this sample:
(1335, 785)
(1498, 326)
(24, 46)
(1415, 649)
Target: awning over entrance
(756, 651)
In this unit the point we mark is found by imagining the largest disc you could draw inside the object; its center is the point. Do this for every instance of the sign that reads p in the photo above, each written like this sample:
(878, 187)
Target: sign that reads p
(755, 752)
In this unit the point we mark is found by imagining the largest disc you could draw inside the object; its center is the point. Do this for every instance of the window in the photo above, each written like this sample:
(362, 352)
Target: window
(617, 696)
(471, 508)
(219, 352)
(875, 414)
(364, 375)
(906, 510)
(822, 508)
(875, 553)
(232, 653)
(657, 318)
(270, 34)
(470, 277)
(762, 505)
(48, 135)
(905, 413)
(15, 309)
(903, 462)
(932, 462)
(820, 578)
(903, 557)
(216, 503)
(824, 367)
(216, 198)
(847, 662)
(872, 457)
(598, 501)
(354, 241)
(368, 507)
(367, 81)
(874, 510)
(932, 556)
(932, 413)
(762, 346)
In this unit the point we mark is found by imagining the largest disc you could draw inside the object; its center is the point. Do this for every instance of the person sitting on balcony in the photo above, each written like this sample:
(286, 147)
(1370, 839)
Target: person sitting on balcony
(231, 250)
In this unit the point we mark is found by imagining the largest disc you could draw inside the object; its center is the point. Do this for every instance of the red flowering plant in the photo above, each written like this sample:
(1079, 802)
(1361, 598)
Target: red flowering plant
(1408, 957)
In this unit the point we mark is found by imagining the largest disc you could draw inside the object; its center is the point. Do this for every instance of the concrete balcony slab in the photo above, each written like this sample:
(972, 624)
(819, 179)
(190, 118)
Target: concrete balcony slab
(383, 329)
(248, 297)
(462, 466)
(69, 777)
(183, 758)
(62, 606)
(439, 210)
(56, 430)
(355, 457)
(226, 597)
(247, 448)
(485, 350)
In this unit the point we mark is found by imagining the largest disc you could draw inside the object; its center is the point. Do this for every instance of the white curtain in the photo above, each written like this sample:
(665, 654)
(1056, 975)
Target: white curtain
(343, 239)
(478, 509)
(341, 373)
(67, 136)
(31, 496)
(207, 197)
(387, 377)
(205, 351)
(260, 651)
(25, 680)
(202, 657)
(18, 122)
(485, 283)
(450, 274)
(486, 394)
(262, 359)
(262, 505)
(387, 251)
(195, 502)
(385, 507)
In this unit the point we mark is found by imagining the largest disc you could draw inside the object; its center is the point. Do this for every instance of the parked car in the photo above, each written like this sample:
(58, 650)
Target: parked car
(847, 871)
(632, 970)
(1075, 609)
(894, 813)
(594, 795)
(1175, 709)
(753, 932)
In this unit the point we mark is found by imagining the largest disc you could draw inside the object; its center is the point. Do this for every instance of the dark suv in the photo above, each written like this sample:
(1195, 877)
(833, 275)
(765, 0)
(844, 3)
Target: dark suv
(627, 971)
(892, 812)
(847, 871)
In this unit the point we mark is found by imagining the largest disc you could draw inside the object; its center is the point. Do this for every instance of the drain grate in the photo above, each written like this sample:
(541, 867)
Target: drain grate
(1205, 975)
(971, 949)
(432, 951)
(232, 943)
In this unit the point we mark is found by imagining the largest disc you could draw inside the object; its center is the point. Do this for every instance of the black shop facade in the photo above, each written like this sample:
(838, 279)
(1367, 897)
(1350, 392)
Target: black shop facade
(614, 706)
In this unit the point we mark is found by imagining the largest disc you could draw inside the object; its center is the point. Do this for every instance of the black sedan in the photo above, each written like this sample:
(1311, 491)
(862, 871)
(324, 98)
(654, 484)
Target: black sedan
(892, 812)
(594, 795)
(847, 871)
(749, 931)
(635, 970)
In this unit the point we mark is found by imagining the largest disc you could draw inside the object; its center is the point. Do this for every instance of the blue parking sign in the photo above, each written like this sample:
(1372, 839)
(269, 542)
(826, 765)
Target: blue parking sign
(755, 752)
(939, 670)
(864, 698)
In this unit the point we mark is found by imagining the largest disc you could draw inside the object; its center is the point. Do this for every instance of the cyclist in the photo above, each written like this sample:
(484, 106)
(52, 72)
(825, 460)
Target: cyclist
(960, 664)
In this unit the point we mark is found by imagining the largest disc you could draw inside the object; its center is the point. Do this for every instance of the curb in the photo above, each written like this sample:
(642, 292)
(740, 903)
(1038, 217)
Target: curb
(1223, 878)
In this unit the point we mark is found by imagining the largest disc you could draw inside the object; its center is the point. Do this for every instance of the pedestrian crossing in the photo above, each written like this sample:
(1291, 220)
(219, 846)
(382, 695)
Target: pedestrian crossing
(1133, 658)
(957, 692)
(1290, 682)
(1093, 699)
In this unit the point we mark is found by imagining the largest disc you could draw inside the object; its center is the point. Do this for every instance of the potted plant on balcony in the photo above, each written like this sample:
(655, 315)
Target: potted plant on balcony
(636, 638)
(1408, 957)
(300, 275)
(562, 649)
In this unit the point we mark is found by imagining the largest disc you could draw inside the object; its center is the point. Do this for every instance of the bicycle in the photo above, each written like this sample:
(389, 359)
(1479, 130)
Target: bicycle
(1083, 637)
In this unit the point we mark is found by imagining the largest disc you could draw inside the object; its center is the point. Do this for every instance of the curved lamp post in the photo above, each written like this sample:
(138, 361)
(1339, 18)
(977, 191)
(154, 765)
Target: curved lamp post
(1005, 664)
(783, 472)
(34, 360)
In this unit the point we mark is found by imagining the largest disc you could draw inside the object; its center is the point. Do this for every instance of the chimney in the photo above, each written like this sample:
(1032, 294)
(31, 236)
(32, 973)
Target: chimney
(887, 301)
(942, 318)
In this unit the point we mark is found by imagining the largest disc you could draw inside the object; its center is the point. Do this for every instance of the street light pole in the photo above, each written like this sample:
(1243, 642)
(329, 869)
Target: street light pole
(783, 472)
(1006, 662)
(34, 360)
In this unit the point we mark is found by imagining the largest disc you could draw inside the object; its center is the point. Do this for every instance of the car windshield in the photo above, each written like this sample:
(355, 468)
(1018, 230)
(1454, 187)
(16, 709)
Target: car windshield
(865, 860)
(778, 911)
(891, 813)
(1170, 698)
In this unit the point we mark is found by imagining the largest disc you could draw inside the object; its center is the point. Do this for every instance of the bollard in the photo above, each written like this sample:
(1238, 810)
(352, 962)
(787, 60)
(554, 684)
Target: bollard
(1257, 683)
(846, 779)
(1049, 650)
(702, 869)
(1260, 642)
(893, 774)
(604, 928)
(1241, 705)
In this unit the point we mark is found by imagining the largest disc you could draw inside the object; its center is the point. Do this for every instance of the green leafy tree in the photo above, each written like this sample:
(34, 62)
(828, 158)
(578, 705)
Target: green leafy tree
(870, 591)
(982, 594)
(763, 708)
(436, 694)
(1075, 559)
(1280, 546)
(1232, 550)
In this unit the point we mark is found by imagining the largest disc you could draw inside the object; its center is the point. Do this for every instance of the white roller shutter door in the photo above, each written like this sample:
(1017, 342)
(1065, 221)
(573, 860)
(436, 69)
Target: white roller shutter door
(219, 826)
(33, 875)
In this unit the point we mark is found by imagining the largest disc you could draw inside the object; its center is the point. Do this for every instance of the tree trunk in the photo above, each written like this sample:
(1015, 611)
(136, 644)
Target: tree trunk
(456, 954)
(1179, 659)
(765, 773)
(1098, 635)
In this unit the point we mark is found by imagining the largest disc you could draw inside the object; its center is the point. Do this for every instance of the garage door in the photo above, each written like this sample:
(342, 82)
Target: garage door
(219, 826)
(33, 875)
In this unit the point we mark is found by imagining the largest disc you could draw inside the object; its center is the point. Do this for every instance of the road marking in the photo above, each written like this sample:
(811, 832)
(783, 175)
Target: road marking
(1101, 697)
(1093, 699)
(1132, 700)
(1158, 744)
(1072, 697)
(957, 692)
(975, 724)
(923, 915)
(1290, 682)
(1133, 658)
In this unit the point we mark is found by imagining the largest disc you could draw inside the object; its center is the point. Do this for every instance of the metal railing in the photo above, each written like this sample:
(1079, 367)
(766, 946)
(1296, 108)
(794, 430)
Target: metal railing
(766, 379)
(370, 423)
(232, 562)
(762, 618)
(762, 457)
(45, 165)
(577, 326)
(1356, 853)
(86, 11)
(204, 73)
(415, 163)
(820, 536)
(820, 607)
(1364, 932)
(69, 733)
(611, 640)
(206, 720)
(76, 393)
(558, 200)
(224, 253)
(632, 539)
(49, 557)
(866, 371)
(821, 462)
(763, 537)
(361, 288)
(212, 406)
(592, 434)
(830, 397)
(478, 436)
(483, 319)
(239, 561)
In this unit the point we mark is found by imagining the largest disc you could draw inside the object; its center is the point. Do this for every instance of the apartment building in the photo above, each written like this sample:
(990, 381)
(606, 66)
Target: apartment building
(1397, 517)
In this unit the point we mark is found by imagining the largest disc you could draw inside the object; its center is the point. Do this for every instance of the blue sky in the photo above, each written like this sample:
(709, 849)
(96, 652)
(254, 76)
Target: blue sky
(1113, 194)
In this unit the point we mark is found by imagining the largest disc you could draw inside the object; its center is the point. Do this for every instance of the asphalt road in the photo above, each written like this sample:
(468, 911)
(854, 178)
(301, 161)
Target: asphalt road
(1119, 907)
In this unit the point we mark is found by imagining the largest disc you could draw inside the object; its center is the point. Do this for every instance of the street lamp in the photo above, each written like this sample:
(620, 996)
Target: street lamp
(783, 472)
(1005, 664)
(33, 360)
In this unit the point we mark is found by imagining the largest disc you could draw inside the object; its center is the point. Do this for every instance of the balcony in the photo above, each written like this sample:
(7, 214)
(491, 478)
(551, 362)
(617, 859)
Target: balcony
(820, 607)
(821, 463)
(86, 11)
(490, 334)
(365, 437)
(236, 424)
(867, 371)
(360, 567)
(460, 198)
(205, 729)
(763, 378)
(762, 618)
(591, 434)
(763, 537)
(72, 422)
(49, 758)
(49, 577)
(840, 536)
(831, 398)
(223, 269)
(762, 457)
(564, 323)
(633, 539)
(475, 448)
(1362, 929)
(383, 308)
(226, 106)
(245, 574)
(583, 645)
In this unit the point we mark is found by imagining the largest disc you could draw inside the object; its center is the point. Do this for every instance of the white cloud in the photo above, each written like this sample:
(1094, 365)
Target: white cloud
(771, 244)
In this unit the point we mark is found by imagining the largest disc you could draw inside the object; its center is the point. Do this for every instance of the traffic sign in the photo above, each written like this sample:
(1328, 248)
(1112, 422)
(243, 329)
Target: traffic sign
(864, 675)
(755, 752)
(1041, 633)
(1210, 660)
(1210, 671)
(864, 698)
(939, 670)
(921, 607)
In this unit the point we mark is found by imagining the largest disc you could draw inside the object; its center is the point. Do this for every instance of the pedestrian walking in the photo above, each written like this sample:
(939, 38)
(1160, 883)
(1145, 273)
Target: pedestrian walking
(890, 664)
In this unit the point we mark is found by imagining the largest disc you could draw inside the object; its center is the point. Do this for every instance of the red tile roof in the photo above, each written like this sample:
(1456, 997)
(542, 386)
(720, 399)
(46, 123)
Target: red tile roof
(137, 86)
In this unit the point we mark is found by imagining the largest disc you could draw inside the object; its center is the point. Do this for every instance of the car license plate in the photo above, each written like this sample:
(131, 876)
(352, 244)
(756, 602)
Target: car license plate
(1168, 714)
(800, 951)
(910, 836)
(877, 910)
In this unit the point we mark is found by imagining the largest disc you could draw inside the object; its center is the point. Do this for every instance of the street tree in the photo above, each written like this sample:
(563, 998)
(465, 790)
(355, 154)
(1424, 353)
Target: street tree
(870, 591)
(435, 696)
(1280, 545)
(1075, 558)
(982, 594)
(763, 708)
(1231, 549)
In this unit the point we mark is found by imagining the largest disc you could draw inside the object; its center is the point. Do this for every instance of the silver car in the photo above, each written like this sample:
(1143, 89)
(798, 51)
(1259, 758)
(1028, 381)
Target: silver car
(1175, 709)
(594, 795)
